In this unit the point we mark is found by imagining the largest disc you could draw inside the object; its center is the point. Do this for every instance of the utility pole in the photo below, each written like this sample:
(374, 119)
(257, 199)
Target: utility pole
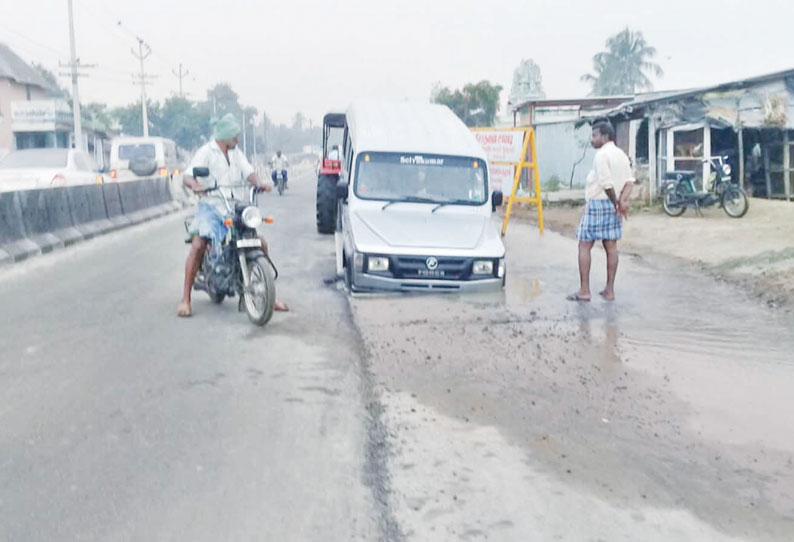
(245, 131)
(78, 126)
(141, 55)
(253, 133)
(180, 74)
(264, 132)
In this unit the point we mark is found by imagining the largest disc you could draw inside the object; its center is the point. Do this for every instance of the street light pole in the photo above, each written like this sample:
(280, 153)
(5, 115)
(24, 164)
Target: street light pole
(78, 126)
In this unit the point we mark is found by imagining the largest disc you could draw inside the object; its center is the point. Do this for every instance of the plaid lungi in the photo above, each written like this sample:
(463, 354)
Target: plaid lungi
(599, 221)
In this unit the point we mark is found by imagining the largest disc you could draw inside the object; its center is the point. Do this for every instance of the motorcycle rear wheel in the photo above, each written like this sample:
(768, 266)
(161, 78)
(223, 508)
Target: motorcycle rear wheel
(260, 299)
(735, 202)
(670, 209)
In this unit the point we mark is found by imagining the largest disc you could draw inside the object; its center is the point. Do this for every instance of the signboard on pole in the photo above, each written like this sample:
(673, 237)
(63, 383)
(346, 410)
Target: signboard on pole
(501, 145)
(510, 151)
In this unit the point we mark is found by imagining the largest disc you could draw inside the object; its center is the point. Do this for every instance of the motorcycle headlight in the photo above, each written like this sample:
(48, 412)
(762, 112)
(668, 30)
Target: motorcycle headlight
(252, 217)
(482, 267)
(726, 169)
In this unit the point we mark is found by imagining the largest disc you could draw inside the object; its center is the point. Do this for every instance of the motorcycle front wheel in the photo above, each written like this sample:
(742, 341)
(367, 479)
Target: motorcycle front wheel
(735, 202)
(260, 298)
(281, 187)
(669, 208)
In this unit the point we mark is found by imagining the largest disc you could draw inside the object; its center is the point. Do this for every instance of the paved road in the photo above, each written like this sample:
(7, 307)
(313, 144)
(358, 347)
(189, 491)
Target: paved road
(517, 416)
(119, 421)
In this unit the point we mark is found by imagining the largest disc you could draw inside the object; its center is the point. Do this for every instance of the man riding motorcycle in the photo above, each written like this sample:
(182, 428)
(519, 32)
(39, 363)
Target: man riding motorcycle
(278, 166)
(230, 171)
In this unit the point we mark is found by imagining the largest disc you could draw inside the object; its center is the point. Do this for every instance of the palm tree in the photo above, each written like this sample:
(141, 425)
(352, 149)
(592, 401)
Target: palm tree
(622, 68)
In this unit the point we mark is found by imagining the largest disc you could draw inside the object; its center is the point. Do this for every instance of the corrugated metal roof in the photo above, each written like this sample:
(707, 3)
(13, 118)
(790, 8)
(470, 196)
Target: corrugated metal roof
(672, 95)
(14, 68)
(410, 127)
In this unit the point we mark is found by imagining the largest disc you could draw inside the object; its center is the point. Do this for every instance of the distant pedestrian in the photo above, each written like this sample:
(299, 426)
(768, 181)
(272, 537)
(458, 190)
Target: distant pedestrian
(607, 195)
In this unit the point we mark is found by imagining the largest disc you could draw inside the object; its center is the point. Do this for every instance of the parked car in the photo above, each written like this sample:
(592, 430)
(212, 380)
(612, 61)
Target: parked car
(44, 168)
(132, 158)
(415, 202)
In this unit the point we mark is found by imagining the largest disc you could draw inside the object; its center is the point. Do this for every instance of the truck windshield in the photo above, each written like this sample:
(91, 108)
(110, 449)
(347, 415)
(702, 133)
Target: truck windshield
(433, 178)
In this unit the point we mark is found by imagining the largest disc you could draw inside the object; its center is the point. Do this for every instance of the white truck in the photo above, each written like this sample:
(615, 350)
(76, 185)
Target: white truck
(415, 202)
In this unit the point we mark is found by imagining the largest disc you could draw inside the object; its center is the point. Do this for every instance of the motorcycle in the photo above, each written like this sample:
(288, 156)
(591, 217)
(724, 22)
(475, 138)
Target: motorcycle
(679, 192)
(240, 266)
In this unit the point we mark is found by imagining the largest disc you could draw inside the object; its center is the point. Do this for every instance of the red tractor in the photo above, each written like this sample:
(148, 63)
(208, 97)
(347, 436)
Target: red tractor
(328, 175)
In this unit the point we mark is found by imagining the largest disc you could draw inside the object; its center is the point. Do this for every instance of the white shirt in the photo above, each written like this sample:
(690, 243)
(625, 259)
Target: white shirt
(611, 169)
(279, 163)
(231, 177)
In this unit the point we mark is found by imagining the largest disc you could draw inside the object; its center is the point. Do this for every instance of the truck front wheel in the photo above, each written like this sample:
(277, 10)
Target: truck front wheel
(326, 203)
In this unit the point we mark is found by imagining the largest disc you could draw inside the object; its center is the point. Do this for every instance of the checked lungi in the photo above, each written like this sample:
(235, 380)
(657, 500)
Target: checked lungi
(600, 221)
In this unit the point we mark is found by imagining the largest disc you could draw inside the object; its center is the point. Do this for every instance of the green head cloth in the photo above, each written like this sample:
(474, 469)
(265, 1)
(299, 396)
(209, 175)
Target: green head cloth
(225, 127)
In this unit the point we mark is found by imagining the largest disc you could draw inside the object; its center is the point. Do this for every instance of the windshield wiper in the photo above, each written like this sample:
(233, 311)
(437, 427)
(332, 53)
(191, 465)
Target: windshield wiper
(407, 199)
(451, 202)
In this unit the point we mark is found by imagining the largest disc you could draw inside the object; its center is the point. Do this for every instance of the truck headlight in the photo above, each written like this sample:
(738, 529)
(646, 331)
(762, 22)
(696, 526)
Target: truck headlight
(501, 272)
(377, 263)
(252, 217)
(482, 267)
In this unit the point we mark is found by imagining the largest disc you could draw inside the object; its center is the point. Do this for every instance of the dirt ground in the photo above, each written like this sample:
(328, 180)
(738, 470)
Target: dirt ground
(756, 251)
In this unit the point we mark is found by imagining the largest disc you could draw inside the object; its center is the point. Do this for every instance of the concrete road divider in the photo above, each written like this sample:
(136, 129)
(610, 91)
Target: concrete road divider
(87, 205)
(14, 245)
(60, 216)
(115, 213)
(36, 221)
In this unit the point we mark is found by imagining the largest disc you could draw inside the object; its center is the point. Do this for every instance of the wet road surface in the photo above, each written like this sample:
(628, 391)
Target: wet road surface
(667, 415)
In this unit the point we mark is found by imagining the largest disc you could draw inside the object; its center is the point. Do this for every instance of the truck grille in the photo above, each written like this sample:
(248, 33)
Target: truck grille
(416, 267)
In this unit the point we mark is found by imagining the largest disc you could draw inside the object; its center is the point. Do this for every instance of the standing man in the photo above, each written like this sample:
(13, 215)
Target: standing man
(231, 172)
(607, 202)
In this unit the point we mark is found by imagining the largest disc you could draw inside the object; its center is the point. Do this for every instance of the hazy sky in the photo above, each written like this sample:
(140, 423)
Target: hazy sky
(311, 56)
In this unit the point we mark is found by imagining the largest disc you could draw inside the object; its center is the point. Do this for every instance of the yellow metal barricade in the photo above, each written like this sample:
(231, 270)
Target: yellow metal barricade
(528, 161)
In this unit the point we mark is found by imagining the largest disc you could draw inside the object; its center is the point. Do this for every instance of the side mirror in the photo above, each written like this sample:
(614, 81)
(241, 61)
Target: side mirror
(498, 198)
(341, 190)
(201, 172)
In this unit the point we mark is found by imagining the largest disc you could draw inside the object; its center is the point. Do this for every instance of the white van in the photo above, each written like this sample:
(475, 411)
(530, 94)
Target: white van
(136, 157)
(415, 202)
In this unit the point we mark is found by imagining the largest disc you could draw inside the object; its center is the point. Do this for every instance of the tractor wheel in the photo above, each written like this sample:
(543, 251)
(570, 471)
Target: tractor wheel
(326, 203)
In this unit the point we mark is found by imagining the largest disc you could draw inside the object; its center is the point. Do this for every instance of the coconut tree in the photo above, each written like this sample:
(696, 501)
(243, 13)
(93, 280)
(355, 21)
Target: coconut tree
(624, 67)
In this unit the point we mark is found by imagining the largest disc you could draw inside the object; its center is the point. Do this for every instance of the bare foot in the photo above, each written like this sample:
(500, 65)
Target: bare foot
(184, 310)
(281, 307)
(609, 296)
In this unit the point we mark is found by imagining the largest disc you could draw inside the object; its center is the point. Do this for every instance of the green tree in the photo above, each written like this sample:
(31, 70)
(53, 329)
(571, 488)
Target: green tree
(527, 82)
(623, 67)
(97, 117)
(128, 119)
(476, 104)
(184, 121)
